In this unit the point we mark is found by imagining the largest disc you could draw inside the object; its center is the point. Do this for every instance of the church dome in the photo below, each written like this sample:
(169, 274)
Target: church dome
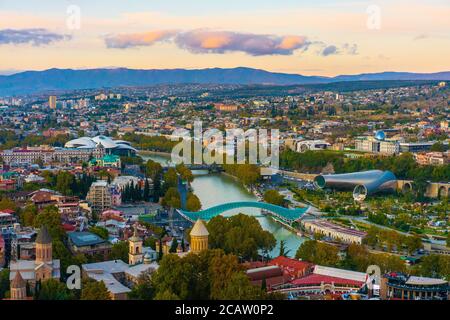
(199, 229)
(18, 281)
(380, 135)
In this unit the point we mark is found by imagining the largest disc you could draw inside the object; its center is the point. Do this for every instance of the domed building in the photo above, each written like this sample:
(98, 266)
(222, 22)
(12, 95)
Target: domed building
(380, 135)
(18, 288)
(116, 147)
(199, 237)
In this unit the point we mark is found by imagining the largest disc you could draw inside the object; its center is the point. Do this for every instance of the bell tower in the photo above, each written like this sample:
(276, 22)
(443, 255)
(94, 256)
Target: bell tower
(135, 255)
(44, 246)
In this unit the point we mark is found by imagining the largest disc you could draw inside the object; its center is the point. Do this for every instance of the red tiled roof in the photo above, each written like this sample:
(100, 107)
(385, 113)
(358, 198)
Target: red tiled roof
(317, 279)
(68, 227)
(42, 196)
(8, 211)
(273, 281)
(290, 263)
(264, 273)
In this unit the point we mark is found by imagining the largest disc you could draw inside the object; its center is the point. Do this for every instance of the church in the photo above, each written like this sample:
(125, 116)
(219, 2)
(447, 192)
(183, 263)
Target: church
(29, 272)
(118, 276)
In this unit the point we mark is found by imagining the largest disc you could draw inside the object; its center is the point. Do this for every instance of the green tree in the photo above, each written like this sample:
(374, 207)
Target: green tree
(172, 198)
(185, 173)
(318, 253)
(94, 290)
(146, 194)
(65, 182)
(166, 295)
(193, 203)
(283, 251)
(153, 169)
(438, 147)
(4, 283)
(174, 246)
(434, 266)
(240, 288)
(208, 275)
(6, 203)
(273, 197)
(52, 289)
(241, 235)
(413, 243)
(119, 251)
(143, 290)
(50, 217)
(100, 231)
(28, 215)
(170, 179)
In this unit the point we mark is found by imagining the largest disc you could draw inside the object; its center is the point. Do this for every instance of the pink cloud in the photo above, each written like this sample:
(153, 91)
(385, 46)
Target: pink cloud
(206, 41)
(123, 41)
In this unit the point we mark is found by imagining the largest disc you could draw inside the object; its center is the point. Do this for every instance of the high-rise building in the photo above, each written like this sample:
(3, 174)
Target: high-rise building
(52, 102)
(99, 196)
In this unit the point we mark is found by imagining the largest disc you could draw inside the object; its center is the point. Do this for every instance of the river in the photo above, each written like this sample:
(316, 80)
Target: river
(214, 189)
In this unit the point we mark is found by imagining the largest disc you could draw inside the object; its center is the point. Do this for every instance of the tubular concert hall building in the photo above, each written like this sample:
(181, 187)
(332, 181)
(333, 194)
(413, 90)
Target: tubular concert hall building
(363, 183)
(117, 147)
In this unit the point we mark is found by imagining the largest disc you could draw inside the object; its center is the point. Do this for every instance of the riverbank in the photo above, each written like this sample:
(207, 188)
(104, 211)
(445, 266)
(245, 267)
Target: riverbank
(158, 153)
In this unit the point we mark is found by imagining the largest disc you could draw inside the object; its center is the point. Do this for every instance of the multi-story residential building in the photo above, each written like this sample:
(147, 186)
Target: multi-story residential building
(72, 155)
(99, 196)
(45, 154)
(52, 102)
(7, 218)
(432, 158)
(27, 156)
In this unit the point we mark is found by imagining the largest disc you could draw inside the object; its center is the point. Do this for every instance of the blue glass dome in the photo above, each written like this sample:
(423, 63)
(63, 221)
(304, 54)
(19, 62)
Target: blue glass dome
(380, 135)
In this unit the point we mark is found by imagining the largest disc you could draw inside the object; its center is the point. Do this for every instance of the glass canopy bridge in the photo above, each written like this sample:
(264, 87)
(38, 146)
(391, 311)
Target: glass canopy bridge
(285, 214)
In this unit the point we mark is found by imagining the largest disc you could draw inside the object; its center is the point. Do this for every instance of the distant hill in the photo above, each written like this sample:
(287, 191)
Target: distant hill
(68, 79)
(389, 76)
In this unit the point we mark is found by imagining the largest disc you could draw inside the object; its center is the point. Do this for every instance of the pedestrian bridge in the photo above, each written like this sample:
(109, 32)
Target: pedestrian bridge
(285, 214)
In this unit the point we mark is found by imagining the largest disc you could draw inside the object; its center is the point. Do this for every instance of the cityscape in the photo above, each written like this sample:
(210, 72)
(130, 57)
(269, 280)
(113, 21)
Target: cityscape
(191, 177)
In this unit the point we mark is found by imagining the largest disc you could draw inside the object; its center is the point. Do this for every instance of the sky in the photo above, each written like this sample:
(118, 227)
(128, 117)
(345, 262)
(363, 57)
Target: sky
(321, 37)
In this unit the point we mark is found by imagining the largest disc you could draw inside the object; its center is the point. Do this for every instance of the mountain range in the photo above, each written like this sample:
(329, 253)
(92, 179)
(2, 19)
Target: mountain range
(29, 82)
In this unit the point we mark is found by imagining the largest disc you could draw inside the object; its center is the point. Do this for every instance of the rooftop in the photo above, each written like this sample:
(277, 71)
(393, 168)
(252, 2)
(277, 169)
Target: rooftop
(199, 229)
(43, 236)
(81, 239)
(317, 279)
(340, 273)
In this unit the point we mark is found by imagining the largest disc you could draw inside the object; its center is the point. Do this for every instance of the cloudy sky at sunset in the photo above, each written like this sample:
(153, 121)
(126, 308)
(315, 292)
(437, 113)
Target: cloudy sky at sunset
(321, 37)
